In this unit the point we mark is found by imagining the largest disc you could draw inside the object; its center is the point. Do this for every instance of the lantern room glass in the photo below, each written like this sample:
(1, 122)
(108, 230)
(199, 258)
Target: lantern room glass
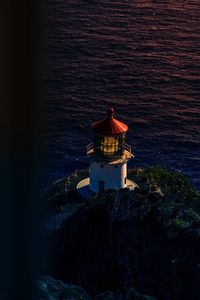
(109, 146)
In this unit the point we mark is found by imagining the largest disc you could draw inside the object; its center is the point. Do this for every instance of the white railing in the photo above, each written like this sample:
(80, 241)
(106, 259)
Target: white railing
(128, 147)
(90, 147)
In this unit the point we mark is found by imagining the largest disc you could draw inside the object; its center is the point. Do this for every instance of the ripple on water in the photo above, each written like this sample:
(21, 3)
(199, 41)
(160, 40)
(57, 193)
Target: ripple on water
(140, 57)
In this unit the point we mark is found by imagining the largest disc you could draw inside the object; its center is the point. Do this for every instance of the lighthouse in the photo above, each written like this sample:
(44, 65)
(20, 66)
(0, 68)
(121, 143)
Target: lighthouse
(108, 155)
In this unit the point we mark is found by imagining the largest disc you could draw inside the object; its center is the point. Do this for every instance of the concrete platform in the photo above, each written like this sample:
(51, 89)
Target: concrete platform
(84, 190)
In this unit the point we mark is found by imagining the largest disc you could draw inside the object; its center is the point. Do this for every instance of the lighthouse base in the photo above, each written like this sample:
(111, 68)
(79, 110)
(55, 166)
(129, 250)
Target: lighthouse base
(83, 187)
(107, 175)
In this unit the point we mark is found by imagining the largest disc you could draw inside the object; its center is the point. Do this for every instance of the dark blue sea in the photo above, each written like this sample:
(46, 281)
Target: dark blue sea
(140, 57)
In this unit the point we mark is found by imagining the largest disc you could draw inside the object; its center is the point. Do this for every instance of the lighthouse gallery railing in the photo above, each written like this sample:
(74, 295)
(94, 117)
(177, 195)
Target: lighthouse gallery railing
(90, 149)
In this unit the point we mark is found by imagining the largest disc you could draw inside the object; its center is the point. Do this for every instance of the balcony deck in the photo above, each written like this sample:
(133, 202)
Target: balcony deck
(83, 187)
(127, 154)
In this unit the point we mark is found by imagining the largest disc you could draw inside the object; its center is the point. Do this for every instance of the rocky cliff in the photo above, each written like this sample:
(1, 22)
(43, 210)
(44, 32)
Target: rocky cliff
(147, 239)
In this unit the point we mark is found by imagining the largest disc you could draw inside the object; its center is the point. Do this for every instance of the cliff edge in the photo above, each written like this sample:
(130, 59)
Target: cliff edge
(147, 239)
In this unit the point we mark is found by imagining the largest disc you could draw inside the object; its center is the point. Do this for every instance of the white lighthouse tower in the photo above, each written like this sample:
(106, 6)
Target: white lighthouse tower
(109, 155)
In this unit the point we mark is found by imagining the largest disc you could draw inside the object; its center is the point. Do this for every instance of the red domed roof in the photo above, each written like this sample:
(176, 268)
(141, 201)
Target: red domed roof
(109, 126)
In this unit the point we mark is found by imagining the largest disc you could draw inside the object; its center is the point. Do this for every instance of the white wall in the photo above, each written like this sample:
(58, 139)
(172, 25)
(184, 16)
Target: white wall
(114, 178)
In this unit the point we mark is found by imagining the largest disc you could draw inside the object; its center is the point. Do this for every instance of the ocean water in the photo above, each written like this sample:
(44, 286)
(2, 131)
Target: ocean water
(140, 57)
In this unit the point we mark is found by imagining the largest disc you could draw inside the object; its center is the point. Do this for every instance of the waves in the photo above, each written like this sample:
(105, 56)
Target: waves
(140, 57)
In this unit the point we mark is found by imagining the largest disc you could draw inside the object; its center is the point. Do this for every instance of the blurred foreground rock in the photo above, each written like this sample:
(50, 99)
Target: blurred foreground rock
(51, 289)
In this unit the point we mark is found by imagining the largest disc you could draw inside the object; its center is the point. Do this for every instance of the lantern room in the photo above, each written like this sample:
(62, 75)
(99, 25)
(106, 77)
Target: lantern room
(109, 137)
(107, 147)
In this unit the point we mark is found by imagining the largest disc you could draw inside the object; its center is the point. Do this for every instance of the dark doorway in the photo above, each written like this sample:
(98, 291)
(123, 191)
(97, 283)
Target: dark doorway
(101, 186)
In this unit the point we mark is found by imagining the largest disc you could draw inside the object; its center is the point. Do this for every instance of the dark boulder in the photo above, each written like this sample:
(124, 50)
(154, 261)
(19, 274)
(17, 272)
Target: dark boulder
(51, 289)
(125, 294)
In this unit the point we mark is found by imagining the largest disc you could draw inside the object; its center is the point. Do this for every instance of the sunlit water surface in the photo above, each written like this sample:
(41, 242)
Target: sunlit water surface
(140, 57)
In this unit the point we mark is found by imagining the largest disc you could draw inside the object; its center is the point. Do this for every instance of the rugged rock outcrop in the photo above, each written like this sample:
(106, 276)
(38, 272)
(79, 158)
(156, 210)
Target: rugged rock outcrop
(51, 289)
(148, 239)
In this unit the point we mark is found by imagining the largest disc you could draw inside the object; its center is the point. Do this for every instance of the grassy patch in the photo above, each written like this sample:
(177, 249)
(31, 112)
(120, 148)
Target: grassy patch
(173, 184)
